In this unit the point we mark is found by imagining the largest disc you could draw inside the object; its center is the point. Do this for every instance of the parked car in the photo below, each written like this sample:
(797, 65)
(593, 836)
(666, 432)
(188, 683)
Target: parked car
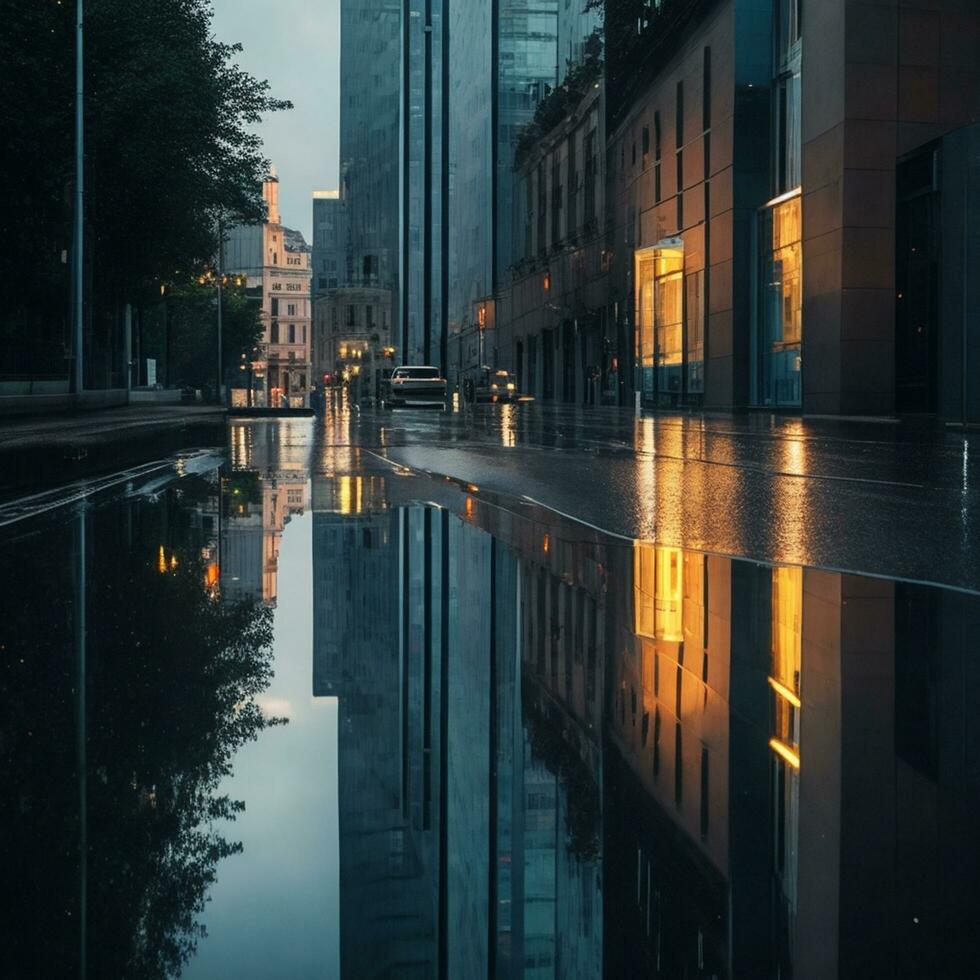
(495, 386)
(415, 385)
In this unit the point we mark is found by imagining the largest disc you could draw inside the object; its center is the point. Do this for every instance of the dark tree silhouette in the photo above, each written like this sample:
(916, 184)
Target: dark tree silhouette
(173, 674)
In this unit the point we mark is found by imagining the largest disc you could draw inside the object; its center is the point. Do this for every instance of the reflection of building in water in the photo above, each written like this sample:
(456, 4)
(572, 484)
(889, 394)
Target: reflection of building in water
(702, 802)
(764, 725)
(453, 818)
(266, 487)
(564, 756)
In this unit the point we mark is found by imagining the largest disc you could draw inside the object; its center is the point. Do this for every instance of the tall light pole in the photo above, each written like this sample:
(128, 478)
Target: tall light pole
(221, 262)
(78, 303)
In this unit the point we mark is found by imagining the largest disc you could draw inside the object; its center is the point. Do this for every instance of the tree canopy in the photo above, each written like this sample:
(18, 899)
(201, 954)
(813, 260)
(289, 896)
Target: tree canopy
(169, 143)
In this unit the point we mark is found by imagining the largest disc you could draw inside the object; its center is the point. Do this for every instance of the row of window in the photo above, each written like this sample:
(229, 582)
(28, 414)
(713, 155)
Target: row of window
(291, 333)
(290, 308)
(563, 197)
(357, 316)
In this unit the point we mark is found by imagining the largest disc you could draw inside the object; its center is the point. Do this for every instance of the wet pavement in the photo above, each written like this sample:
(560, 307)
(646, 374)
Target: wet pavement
(294, 707)
(879, 498)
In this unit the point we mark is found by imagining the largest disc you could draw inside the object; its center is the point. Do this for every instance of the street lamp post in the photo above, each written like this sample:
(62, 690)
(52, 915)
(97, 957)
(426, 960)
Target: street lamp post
(221, 258)
(78, 304)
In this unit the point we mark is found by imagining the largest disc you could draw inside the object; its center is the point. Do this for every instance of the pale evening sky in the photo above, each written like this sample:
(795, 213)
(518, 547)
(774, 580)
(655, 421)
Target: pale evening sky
(296, 46)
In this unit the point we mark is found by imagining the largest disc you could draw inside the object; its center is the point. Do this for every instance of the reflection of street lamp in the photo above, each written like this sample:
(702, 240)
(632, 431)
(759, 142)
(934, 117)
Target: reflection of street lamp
(79, 194)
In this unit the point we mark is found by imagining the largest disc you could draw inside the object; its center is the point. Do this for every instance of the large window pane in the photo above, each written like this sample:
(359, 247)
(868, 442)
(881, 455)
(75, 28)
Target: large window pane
(781, 303)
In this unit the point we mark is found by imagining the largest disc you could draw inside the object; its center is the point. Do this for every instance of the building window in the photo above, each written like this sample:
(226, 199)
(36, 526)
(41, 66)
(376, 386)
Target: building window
(591, 169)
(571, 211)
(679, 135)
(274, 332)
(659, 304)
(657, 153)
(292, 333)
(787, 132)
(555, 201)
(351, 315)
(291, 309)
(786, 88)
(369, 315)
(694, 321)
(542, 215)
(780, 314)
(274, 307)
(645, 147)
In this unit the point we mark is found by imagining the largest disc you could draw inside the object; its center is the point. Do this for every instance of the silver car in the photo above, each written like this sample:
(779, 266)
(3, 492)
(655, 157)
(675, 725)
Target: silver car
(411, 385)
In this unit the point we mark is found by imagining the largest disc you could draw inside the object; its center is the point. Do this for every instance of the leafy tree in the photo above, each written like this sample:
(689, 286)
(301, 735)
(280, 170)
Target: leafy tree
(169, 150)
(192, 318)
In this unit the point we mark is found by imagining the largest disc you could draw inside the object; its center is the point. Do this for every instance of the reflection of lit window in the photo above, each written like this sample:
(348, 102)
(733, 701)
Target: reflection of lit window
(349, 490)
(784, 679)
(658, 591)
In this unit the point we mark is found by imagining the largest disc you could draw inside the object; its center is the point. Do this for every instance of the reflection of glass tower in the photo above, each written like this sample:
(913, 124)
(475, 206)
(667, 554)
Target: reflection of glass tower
(454, 828)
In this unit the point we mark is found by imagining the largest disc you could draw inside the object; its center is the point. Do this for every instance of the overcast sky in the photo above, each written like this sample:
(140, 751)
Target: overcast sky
(296, 46)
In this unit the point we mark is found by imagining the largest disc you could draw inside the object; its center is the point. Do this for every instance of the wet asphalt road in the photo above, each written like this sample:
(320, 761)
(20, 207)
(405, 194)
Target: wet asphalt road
(879, 498)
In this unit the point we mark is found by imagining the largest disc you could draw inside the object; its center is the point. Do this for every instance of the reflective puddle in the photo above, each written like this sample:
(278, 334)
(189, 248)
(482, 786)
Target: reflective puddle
(304, 714)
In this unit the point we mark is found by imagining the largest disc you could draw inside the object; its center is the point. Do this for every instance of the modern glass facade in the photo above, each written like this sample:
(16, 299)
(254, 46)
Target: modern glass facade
(575, 24)
(329, 242)
(370, 80)
(664, 338)
(779, 306)
(504, 59)
(424, 180)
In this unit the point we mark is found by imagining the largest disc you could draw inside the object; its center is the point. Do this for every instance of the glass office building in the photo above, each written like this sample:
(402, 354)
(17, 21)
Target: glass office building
(779, 306)
(424, 180)
(504, 60)
(370, 67)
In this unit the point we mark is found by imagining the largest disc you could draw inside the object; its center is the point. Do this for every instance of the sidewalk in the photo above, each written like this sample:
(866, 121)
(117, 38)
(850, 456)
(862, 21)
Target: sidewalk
(40, 451)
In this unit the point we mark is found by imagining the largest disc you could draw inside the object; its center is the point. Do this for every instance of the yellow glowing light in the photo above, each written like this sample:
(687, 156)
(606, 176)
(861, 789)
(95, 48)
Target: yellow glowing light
(161, 561)
(785, 752)
(472, 487)
(173, 561)
(546, 544)
(783, 691)
(469, 507)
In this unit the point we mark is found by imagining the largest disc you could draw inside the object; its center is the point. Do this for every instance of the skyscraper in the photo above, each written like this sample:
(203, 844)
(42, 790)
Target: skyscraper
(504, 58)
(370, 149)
(329, 243)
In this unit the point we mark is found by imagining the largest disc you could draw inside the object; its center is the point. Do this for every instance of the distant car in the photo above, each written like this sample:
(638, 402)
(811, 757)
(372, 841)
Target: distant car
(495, 386)
(410, 385)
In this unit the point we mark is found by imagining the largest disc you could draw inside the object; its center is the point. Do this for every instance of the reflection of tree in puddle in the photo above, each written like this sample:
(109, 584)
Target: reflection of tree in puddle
(551, 744)
(173, 699)
(173, 675)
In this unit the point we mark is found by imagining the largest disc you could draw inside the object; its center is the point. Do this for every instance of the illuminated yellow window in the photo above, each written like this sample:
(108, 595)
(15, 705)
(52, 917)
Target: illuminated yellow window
(658, 591)
(659, 304)
(784, 677)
